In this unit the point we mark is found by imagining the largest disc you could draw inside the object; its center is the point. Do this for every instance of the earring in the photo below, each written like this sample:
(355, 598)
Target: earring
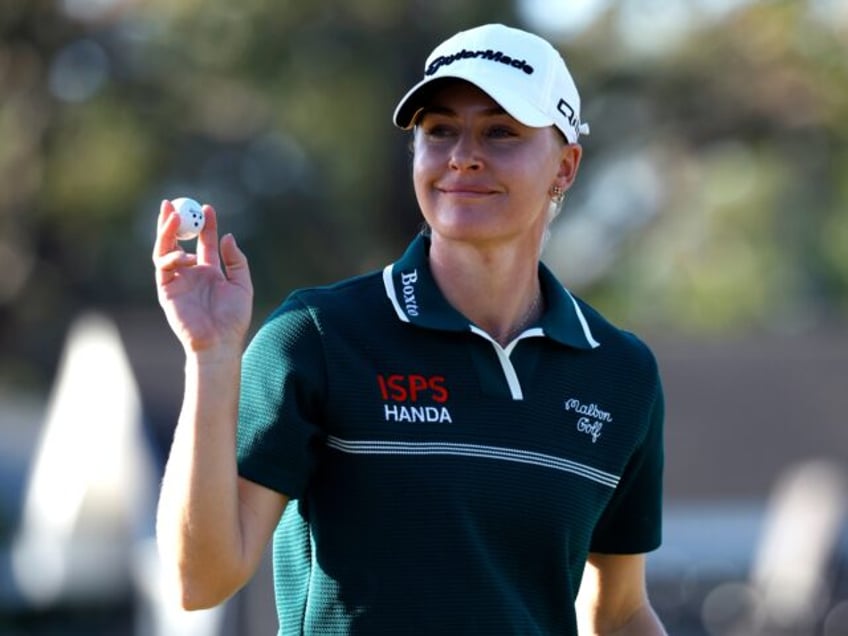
(557, 193)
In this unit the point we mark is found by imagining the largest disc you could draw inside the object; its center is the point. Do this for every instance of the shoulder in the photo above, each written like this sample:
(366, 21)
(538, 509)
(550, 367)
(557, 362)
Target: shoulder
(306, 309)
(296, 333)
(617, 345)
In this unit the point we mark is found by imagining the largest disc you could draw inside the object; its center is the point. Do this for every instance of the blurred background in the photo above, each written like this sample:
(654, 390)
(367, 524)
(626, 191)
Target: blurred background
(710, 216)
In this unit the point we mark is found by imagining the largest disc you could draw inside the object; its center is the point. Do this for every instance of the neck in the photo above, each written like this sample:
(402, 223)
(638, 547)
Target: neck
(530, 316)
(496, 289)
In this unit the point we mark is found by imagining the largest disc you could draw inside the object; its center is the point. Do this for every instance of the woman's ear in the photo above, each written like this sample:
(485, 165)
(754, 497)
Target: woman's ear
(568, 165)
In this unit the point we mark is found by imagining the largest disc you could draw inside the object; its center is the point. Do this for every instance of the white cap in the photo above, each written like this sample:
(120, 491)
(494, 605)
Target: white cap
(522, 72)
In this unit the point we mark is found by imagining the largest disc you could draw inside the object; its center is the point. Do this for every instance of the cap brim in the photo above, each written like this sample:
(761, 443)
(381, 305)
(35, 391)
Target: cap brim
(510, 100)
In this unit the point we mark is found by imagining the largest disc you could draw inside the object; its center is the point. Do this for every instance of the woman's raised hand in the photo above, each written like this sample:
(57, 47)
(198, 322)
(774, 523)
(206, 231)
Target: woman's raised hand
(207, 297)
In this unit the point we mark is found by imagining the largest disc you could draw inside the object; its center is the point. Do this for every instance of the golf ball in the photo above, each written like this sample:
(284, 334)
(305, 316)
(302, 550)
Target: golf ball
(191, 218)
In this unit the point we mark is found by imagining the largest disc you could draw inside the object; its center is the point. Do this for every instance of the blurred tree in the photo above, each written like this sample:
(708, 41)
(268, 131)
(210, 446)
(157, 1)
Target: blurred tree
(711, 196)
(736, 135)
(277, 112)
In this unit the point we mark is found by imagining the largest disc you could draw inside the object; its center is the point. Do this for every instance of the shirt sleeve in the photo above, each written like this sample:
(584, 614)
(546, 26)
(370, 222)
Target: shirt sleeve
(282, 388)
(632, 521)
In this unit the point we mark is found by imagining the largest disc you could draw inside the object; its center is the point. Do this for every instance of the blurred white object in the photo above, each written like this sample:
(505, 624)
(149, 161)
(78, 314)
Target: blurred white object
(789, 587)
(790, 571)
(90, 486)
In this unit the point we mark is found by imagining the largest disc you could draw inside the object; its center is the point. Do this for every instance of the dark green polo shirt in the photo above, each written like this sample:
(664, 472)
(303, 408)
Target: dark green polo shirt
(440, 483)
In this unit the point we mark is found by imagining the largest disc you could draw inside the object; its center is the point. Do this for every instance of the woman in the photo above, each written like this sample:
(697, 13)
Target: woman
(440, 447)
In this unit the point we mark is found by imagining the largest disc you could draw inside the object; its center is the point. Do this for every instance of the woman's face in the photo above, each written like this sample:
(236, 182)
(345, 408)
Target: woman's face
(482, 176)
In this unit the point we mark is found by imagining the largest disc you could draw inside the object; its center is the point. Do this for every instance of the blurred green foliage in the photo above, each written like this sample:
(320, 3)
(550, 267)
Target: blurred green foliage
(712, 196)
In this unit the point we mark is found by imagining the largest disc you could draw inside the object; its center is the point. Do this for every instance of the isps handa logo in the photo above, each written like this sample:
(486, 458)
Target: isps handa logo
(591, 418)
(414, 398)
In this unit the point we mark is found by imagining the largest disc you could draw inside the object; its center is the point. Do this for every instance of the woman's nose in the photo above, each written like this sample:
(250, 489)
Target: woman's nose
(465, 154)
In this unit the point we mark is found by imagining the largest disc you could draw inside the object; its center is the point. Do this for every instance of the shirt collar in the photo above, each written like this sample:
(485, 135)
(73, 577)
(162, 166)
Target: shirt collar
(412, 290)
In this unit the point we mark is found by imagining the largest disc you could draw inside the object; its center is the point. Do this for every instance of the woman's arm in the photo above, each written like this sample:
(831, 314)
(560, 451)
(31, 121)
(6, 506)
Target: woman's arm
(212, 526)
(613, 599)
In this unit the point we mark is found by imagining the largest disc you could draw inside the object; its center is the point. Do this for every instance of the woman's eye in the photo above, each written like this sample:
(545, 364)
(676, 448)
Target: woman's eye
(438, 131)
(500, 132)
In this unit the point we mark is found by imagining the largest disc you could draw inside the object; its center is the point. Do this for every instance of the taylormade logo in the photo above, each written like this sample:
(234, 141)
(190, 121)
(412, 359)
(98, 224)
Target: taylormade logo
(488, 54)
(567, 110)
